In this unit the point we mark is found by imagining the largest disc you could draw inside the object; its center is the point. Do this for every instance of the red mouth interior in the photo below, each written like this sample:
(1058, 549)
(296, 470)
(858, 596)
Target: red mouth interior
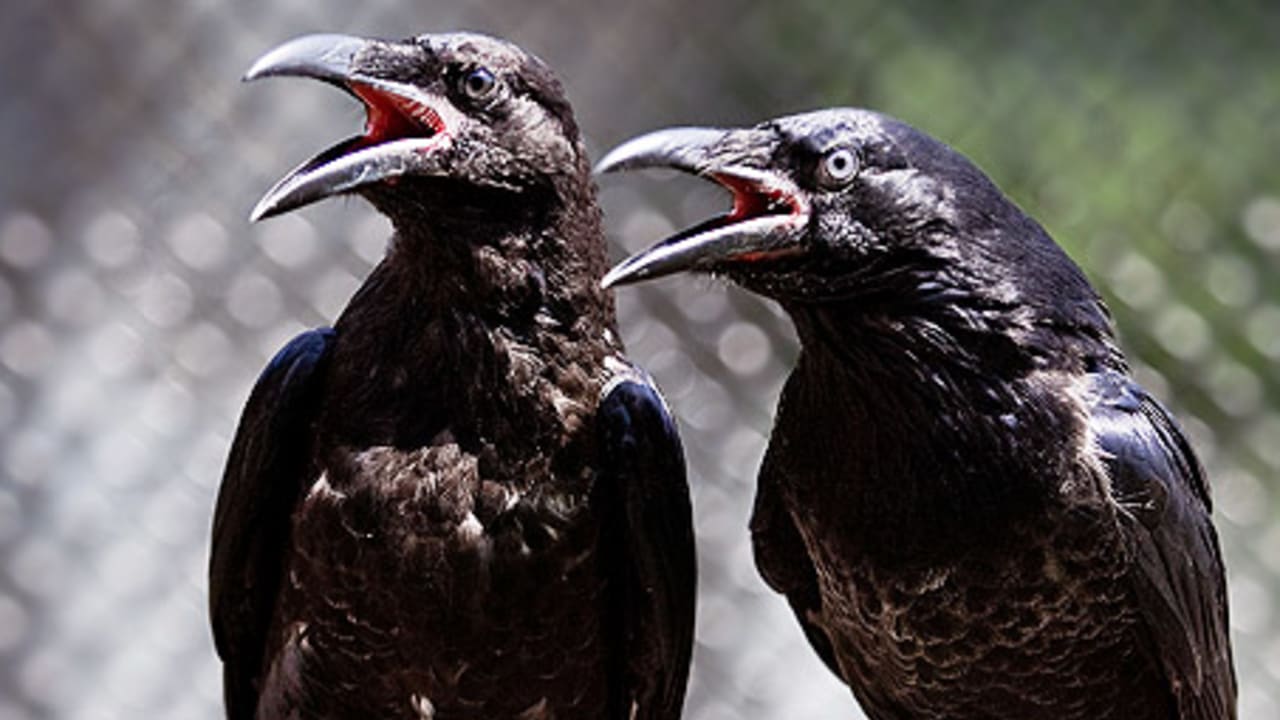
(750, 200)
(392, 117)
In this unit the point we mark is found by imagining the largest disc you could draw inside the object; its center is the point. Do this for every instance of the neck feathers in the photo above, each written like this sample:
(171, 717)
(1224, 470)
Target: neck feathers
(919, 440)
(513, 257)
(486, 308)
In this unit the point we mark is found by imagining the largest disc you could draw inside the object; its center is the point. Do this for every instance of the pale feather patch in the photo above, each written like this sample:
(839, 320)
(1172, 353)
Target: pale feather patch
(423, 706)
(1079, 388)
(322, 489)
(513, 499)
(916, 189)
(470, 529)
(536, 711)
(1053, 568)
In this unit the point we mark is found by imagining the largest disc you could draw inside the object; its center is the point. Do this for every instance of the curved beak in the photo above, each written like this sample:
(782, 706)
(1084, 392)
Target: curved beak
(406, 126)
(324, 57)
(769, 211)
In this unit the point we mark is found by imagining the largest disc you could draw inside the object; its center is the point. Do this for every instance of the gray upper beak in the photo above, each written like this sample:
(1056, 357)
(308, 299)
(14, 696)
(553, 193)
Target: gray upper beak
(324, 57)
(683, 148)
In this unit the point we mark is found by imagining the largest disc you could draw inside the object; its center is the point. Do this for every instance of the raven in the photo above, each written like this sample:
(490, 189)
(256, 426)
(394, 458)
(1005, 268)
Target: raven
(461, 501)
(972, 508)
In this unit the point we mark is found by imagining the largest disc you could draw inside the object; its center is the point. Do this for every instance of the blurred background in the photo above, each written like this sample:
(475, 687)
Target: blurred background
(137, 304)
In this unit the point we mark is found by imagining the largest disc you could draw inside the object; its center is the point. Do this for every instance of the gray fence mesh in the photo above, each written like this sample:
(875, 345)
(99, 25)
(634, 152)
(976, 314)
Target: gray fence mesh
(137, 304)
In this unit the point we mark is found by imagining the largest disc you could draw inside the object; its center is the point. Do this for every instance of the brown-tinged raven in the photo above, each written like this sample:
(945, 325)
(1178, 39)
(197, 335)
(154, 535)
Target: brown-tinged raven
(461, 501)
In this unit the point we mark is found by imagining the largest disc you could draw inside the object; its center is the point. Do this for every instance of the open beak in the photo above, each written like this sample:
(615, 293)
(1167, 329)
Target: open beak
(406, 127)
(767, 219)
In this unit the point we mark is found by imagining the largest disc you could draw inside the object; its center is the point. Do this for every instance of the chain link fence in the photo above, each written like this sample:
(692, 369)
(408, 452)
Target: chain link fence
(137, 304)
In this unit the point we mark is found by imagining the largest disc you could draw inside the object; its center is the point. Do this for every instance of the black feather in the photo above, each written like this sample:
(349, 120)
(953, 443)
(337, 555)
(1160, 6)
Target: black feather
(269, 465)
(972, 509)
(461, 502)
(649, 540)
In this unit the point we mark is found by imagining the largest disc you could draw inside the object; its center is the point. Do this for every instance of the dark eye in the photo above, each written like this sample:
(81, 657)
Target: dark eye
(478, 83)
(837, 167)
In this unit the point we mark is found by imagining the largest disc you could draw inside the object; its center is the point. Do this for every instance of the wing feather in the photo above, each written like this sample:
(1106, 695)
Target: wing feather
(1177, 569)
(649, 549)
(267, 468)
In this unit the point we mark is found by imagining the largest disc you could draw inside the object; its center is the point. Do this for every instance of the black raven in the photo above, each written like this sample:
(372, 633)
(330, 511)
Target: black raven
(461, 501)
(972, 508)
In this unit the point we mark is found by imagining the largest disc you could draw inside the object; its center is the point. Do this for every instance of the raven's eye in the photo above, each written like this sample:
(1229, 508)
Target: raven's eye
(837, 167)
(478, 83)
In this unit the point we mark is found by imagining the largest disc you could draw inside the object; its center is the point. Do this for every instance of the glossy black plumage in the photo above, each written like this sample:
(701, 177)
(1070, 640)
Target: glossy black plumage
(260, 486)
(461, 501)
(971, 507)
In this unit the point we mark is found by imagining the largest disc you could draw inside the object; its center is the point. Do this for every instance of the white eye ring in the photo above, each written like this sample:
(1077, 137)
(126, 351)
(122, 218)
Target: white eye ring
(838, 167)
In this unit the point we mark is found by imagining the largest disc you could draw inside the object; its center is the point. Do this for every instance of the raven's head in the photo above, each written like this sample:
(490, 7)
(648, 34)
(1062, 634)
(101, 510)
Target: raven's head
(853, 211)
(465, 111)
